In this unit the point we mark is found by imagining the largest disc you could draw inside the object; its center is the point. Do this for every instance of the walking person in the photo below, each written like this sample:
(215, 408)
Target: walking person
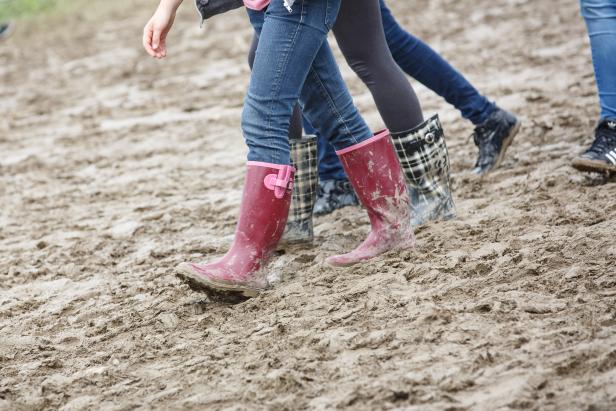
(294, 63)
(495, 128)
(425, 163)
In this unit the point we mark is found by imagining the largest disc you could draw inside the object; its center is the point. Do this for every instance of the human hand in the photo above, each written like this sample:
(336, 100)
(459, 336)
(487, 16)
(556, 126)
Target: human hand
(155, 31)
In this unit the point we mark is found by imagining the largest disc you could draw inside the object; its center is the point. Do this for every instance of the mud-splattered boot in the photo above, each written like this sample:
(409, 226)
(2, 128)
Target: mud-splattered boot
(493, 137)
(425, 161)
(299, 227)
(374, 170)
(263, 216)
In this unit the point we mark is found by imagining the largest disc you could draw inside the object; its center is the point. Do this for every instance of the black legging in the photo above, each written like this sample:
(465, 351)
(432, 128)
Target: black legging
(361, 38)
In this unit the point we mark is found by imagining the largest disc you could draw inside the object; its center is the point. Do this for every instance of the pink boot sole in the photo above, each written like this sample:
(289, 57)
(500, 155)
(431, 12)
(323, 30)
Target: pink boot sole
(199, 282)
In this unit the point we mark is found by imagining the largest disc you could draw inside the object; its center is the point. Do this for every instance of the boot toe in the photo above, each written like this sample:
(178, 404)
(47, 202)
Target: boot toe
(343, 260)
(210, 278)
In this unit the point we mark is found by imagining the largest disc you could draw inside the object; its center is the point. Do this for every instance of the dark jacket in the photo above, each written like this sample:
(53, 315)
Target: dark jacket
(210, 8)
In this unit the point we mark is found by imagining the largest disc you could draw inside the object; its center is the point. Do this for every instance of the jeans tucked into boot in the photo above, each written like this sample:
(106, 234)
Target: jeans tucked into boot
(299, 227)
(425, 162)
(263, 216)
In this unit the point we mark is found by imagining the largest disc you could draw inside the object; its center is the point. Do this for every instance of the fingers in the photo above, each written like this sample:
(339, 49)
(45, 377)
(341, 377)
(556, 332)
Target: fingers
(162, 48)
(156, 39)
(158, 44)
(147, 41)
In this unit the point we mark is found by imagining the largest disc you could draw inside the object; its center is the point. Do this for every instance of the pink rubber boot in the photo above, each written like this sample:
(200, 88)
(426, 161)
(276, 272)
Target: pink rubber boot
(374, 170)
(263, 216)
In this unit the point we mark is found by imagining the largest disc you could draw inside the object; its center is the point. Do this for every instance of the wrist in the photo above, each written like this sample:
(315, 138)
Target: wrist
(169, 6)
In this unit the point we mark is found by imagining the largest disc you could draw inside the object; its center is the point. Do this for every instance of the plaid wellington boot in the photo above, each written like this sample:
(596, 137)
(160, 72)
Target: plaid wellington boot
(299, 227)
(425, 162)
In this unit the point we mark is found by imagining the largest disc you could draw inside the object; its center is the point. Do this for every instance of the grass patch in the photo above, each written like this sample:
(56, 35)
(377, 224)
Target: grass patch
(10, 9)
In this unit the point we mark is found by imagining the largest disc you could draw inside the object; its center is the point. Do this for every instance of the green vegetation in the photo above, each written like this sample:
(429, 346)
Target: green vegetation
(18, 8)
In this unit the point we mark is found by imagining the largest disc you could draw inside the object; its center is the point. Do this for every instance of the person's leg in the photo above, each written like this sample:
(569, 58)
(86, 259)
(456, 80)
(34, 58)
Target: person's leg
(288, 44)
(495, 128)
(422, 63)
(359, 33)
(371, 166)
(295, 128)
(425, 161)
(299, 227)
(282, 74)
(600, 17)
(366, 52)
(330, 167)
(334, 189)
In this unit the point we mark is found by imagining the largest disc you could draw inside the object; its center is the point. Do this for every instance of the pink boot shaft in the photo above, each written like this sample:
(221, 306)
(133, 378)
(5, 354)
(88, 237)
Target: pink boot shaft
(263, 216)
(374, 171)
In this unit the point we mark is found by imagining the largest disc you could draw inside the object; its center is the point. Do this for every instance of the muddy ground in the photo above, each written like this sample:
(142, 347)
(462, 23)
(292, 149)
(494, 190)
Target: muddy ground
(114, 168)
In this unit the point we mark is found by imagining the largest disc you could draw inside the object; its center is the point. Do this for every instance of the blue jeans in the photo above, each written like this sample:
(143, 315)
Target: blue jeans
(294, 62)
(422, 63)
(600, 16)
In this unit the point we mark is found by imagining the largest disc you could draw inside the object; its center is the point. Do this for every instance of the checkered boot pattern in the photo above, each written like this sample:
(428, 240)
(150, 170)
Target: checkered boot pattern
(425, 161)
(299, 227)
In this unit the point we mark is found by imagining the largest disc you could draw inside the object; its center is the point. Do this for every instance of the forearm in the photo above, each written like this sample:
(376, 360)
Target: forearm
(171, 5)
